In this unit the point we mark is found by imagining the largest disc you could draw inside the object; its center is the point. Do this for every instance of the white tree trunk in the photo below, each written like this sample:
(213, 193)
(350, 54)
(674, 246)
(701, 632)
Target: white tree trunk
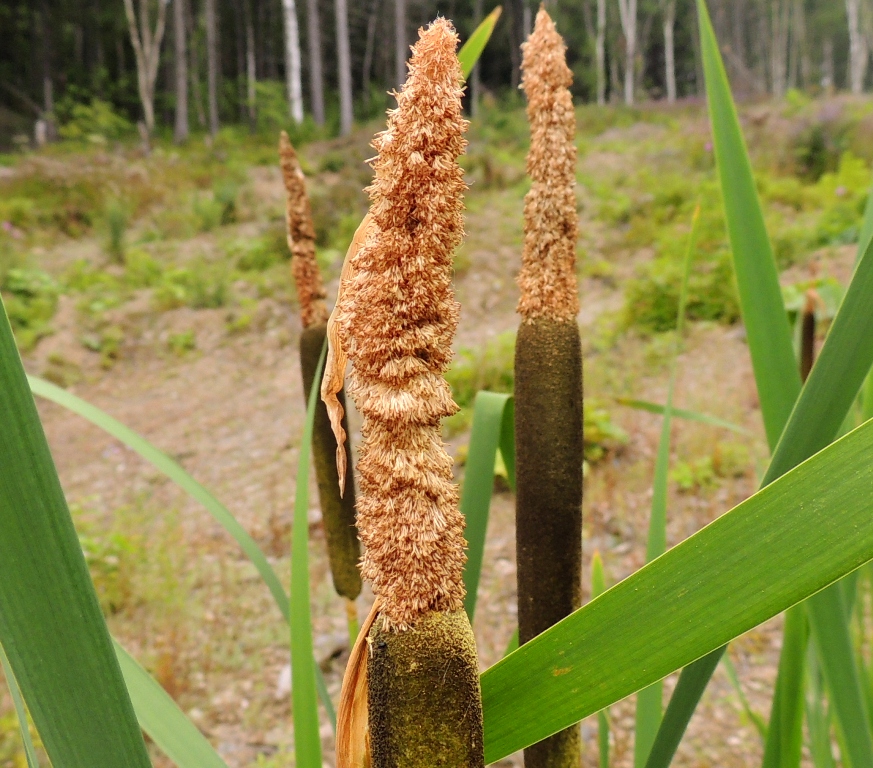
(857, 47)
(316, 79)
(251, 70)
(146, 44)
(344, 63)
(401, 50)
(600, 51)
(212, 65)
(180, 132)
(779, 25)
(627, 10)
(670, 50)
(292, 61)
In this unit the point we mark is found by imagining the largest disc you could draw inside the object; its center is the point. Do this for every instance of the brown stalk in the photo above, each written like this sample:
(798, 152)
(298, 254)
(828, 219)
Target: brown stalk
(548, 370)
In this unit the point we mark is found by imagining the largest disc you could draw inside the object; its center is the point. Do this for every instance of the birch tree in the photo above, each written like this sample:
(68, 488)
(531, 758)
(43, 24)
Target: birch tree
(146, 43)
(779, 25)
(600, 51)
(180, 132)
(292, 61)
(212, 65)
(401, 48)
(344, 64)
(858, 52)
(627, 10)
(251, 68)
(670, 49)
(316, 78)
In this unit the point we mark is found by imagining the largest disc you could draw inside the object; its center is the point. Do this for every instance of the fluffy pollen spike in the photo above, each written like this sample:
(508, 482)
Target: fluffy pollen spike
(395, 320)
(301, 238)
(548, 273)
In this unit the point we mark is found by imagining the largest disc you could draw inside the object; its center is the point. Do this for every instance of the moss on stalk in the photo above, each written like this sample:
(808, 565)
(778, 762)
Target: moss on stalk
(431, 668)
(548, 370)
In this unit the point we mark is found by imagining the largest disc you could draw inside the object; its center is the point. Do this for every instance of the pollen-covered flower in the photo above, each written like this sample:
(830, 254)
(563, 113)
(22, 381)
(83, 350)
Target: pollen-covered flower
(395, 320)
(548, 273)
(301, 238)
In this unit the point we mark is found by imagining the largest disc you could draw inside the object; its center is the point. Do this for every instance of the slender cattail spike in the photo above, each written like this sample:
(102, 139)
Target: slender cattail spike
(395, 320)
(337, 497)
(548, 370)
(301, 238)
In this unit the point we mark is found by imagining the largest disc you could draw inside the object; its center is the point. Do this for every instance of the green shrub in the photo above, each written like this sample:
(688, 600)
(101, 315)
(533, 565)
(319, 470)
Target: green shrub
(652, 298)
(20, 212)
(694, 475)
(31, 298)
(180, 343)
(116, 214)
(255, 255)
(208, 212)
(489, 366)
(225, 192)
(95, 121)
(199, 286)
(601, 433)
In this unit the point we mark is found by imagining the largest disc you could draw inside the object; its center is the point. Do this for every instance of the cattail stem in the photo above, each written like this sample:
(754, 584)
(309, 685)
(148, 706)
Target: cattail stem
(424, 700)
(807, 335)
(352, 621)
(337, 508)
(548, 371)
(337, 511)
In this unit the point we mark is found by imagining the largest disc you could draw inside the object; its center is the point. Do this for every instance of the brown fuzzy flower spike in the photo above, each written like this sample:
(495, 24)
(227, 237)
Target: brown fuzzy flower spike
(548, 273)
(301, 238)
(395, 321)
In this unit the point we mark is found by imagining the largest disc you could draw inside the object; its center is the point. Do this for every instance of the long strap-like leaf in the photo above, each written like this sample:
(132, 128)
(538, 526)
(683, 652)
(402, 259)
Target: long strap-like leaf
(51, 626)
(649, 700)
(491, 411)
(20, 711)
(187, 483)
(161, 718)
(776, 377)
(793, 538)
(307, 741)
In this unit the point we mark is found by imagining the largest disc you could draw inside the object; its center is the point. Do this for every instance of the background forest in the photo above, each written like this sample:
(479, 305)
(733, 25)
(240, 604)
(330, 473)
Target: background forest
(101, 66)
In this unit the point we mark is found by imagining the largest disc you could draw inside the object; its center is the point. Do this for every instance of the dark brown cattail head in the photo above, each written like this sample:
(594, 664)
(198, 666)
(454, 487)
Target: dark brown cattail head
(548, 273)
(301, 238)
(395, 320)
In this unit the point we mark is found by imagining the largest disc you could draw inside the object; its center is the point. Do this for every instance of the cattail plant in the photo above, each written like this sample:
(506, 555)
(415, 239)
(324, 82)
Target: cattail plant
(548, 369)
(337, 502)
(807, 333)
(395, 319)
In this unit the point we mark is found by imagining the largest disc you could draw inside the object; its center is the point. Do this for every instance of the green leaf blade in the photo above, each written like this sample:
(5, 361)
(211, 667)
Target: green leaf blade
(767, 328)
(472, 49)
(51, 626)
(307, 740)
(489, 415)
(160, 717)
(788, 541)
